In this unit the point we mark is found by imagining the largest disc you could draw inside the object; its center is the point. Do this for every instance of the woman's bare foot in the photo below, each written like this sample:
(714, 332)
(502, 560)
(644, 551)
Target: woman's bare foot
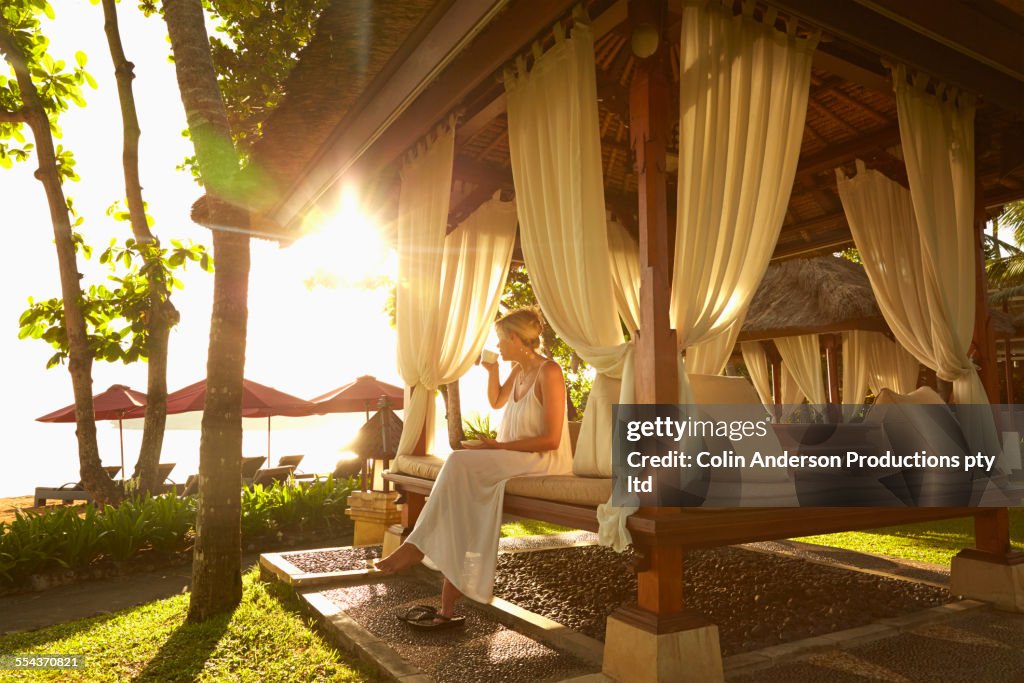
(406, 555)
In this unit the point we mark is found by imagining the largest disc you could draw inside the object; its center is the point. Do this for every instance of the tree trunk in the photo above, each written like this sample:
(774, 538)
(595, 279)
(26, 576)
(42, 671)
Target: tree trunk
(95, 480)
(453, 413)
(162, 314)
(216, 565)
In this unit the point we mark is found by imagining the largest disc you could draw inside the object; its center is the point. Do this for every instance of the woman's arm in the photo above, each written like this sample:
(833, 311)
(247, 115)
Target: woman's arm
(552, 388)
(498, 393)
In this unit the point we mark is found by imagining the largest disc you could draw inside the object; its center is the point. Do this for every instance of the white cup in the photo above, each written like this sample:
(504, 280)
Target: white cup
(488, 356)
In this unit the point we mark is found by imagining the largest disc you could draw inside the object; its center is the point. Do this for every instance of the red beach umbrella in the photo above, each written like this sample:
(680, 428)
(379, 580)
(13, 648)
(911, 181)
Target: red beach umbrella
(258, 400)
(113, 404)
(362, 394)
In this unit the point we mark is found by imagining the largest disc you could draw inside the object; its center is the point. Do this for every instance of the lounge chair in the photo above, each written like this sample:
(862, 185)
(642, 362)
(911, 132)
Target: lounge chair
(293, 462)
(71, 491)
(250, 466)
(289, 460)
(271, 474)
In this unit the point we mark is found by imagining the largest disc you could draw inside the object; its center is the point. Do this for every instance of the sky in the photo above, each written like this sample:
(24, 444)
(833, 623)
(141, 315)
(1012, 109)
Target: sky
(301, 341)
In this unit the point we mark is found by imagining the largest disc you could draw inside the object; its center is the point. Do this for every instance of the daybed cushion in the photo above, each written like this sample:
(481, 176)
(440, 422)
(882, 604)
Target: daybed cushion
(564, 488)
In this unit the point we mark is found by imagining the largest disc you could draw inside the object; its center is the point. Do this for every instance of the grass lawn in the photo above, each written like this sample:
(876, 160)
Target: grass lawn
(530, 527)
(935, 542)
(265, 639)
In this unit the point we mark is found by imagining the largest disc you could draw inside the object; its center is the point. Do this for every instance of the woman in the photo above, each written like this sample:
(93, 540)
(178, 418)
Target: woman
(459, 525)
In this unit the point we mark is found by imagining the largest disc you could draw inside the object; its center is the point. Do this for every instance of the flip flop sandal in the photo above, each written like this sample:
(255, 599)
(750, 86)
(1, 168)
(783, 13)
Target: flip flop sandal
(427, 618)
(418, 613)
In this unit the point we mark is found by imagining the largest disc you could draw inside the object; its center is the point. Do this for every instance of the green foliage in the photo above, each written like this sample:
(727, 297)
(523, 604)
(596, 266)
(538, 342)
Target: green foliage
(479, 427)
(117, 316)
(280, 507)
(29, 545)
(518, 293)
(852, 254)
(62, 538)
(1006, 272)
(255, 47)
(58, 84)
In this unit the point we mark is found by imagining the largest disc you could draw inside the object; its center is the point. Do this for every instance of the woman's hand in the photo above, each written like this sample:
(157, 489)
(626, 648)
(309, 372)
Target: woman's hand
(489, 367)
(484, 443)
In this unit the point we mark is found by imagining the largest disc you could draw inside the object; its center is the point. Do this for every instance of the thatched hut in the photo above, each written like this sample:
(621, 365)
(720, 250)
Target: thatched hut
(377, 440)
(807, 295)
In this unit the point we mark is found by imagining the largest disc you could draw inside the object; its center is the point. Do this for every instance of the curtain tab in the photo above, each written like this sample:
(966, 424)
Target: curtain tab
(861, 166)
(538, 52)
(580, 17)
(558, 31)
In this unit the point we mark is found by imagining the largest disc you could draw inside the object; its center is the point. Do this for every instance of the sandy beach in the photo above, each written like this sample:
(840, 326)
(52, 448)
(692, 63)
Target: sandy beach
(9, 505)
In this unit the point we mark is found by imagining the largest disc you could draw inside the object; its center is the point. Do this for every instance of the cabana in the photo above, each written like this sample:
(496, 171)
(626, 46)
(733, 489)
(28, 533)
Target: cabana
(713, 132)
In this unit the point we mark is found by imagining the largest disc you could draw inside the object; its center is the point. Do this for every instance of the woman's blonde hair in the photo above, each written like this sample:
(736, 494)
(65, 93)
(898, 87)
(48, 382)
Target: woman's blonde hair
(527, 323)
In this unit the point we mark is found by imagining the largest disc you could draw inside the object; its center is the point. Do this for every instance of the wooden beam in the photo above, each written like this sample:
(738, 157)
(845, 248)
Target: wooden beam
(833, 242)
(603, 24)
(871, 324)
(837, 155)
(890, 39)
(482, 172)
(963, 27)
(851, 72)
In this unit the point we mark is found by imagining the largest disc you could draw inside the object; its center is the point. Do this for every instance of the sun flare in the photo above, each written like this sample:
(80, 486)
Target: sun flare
(345, 248)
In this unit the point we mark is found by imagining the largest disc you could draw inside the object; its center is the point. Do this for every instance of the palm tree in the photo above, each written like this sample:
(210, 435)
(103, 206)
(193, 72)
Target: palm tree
(216, 565)
(1006, 273)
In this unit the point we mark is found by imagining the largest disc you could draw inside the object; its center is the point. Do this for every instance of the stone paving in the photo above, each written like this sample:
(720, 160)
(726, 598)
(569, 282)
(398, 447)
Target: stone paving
(979, 646)
(481, 651)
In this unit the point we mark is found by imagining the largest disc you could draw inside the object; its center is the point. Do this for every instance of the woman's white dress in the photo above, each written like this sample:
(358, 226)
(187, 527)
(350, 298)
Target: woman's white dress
(458, 529)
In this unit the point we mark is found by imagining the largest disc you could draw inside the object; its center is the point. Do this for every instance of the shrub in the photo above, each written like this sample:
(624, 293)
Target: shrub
(128, 528)
(37, 542)
(170, 520)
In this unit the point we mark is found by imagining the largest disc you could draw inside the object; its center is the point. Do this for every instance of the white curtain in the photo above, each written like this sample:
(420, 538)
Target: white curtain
(624, 254)
(555, 148)
(448, 287)
(919, 298)
(712, 355)
(856, 370)
(927, 296)
(801, 356)
(889, 365)
(937, 135)
(756, 361)
(742, 101)
(791, 393)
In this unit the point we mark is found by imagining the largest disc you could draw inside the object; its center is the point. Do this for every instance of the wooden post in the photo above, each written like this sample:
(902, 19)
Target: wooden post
(776, 361)
(649, 106)
(655, 361)
(984, 342)
(1008, 369)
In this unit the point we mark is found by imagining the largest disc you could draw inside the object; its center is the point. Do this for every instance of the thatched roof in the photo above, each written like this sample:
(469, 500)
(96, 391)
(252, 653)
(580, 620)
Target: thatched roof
(369, 442)
(851, 113)
(802, 296)
(353, 43)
